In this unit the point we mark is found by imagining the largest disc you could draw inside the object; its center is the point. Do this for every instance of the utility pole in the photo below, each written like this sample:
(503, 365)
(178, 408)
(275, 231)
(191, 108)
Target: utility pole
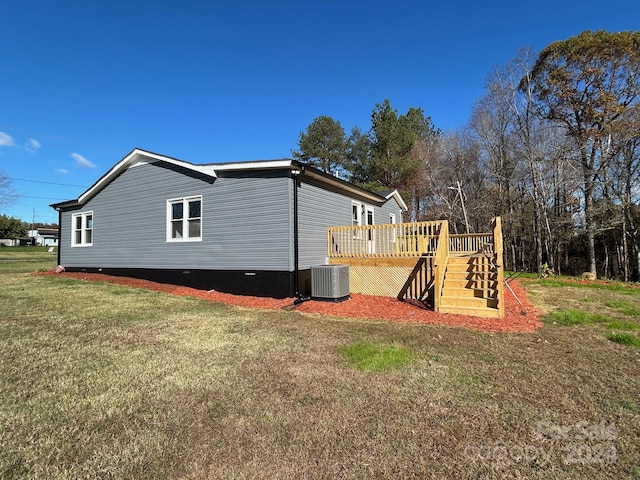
(464, 210)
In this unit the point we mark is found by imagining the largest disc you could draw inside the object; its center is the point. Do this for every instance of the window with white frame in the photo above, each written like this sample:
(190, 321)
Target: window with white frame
(369, 220)
(356, 218)
(184, 219)
(356, 214)
(392, 220)
(82, 229)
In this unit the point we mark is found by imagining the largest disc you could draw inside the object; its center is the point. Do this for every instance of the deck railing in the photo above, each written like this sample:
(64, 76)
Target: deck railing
(466, 244)
(395, 240)
(402, 240)
(432, 247)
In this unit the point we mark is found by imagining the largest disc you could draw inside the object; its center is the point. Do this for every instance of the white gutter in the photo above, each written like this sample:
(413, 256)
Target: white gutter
(260, 165)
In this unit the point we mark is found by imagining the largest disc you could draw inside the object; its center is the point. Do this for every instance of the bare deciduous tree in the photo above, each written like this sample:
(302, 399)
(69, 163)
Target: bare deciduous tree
(588, 84)
(7, 195)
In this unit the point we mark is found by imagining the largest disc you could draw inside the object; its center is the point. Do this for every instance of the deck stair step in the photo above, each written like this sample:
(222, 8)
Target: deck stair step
(470, 287)
(471, 276)
(476, 312)
(469, 302)
(467, 292)
(471, 283)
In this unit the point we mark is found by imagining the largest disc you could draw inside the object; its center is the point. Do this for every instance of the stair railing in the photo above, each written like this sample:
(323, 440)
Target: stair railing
(420, 281)
(440, 264)
(499, 262)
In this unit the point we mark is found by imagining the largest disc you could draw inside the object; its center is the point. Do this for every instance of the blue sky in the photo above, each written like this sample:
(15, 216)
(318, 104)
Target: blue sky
(83, 83)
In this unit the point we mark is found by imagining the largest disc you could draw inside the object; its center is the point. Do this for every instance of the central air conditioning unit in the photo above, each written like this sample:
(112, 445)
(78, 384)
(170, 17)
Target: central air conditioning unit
(330, 282)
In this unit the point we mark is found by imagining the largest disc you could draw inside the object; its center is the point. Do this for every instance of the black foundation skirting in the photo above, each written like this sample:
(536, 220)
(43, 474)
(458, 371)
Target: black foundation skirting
(255, 283)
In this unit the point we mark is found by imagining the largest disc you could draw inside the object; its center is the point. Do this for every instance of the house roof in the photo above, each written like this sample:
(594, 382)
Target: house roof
(136, 157)
(395, 194)
(44, 231)
(139, 157)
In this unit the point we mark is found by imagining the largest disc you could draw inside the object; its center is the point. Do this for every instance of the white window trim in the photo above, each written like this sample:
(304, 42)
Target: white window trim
(83, 229)
(185, 219)
(370, 237)
(367, 209)
(392, 221)
(358, 206)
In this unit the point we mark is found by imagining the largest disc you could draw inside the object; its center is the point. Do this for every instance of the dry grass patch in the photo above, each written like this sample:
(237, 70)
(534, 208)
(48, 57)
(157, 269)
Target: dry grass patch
(26, 259)
(103, 381)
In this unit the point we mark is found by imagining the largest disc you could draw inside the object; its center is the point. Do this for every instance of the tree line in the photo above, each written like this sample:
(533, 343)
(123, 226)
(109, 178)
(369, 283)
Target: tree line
(12, 227)
(552, 146)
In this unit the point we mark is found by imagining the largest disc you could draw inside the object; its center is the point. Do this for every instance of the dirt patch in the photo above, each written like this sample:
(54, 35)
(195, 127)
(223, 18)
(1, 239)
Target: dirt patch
(516, 318)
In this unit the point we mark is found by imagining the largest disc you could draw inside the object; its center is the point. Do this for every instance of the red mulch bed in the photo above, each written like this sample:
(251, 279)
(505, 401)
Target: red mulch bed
(358, 306)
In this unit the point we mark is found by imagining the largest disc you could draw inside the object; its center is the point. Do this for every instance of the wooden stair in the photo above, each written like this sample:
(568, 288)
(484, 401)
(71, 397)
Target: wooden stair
(470, 287)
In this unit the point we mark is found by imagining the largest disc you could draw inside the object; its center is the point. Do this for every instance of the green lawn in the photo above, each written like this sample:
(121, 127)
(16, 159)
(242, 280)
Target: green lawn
(105, 381)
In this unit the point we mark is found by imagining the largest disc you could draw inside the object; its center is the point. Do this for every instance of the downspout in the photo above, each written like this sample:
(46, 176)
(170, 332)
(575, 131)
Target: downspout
(295, 174)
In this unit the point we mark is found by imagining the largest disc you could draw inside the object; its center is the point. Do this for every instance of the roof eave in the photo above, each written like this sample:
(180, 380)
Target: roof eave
(395, 194)
(66, 204)
(340, 184)
(255, 165)
(305, 170)
(138, 155)
(135, 156)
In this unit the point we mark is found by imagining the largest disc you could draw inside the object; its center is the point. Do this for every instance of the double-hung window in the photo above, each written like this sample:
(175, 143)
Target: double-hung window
(82, 229)
(184, 219)
(356, 219)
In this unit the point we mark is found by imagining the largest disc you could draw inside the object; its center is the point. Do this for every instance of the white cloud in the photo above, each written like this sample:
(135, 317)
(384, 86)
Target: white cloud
(82, 161)
(32, 144)
(63, 171)
(6, 140)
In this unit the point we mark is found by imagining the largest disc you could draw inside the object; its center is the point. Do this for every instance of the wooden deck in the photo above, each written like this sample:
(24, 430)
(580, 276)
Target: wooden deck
(422, 261)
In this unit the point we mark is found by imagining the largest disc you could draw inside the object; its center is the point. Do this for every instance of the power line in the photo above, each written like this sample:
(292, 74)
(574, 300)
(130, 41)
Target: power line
(48, 183)
(40, 198)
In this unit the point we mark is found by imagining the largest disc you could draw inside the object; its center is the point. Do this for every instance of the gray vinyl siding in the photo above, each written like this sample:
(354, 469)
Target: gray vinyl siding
(391, 206)
(245, 222)
(319, 208)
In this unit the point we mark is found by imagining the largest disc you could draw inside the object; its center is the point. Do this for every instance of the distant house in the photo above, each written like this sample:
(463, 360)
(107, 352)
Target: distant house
(46, 237)
(249, 227)
(17, 242)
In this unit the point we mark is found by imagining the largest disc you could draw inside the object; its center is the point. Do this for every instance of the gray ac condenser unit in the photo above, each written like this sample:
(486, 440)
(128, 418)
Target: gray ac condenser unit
(330, 282)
